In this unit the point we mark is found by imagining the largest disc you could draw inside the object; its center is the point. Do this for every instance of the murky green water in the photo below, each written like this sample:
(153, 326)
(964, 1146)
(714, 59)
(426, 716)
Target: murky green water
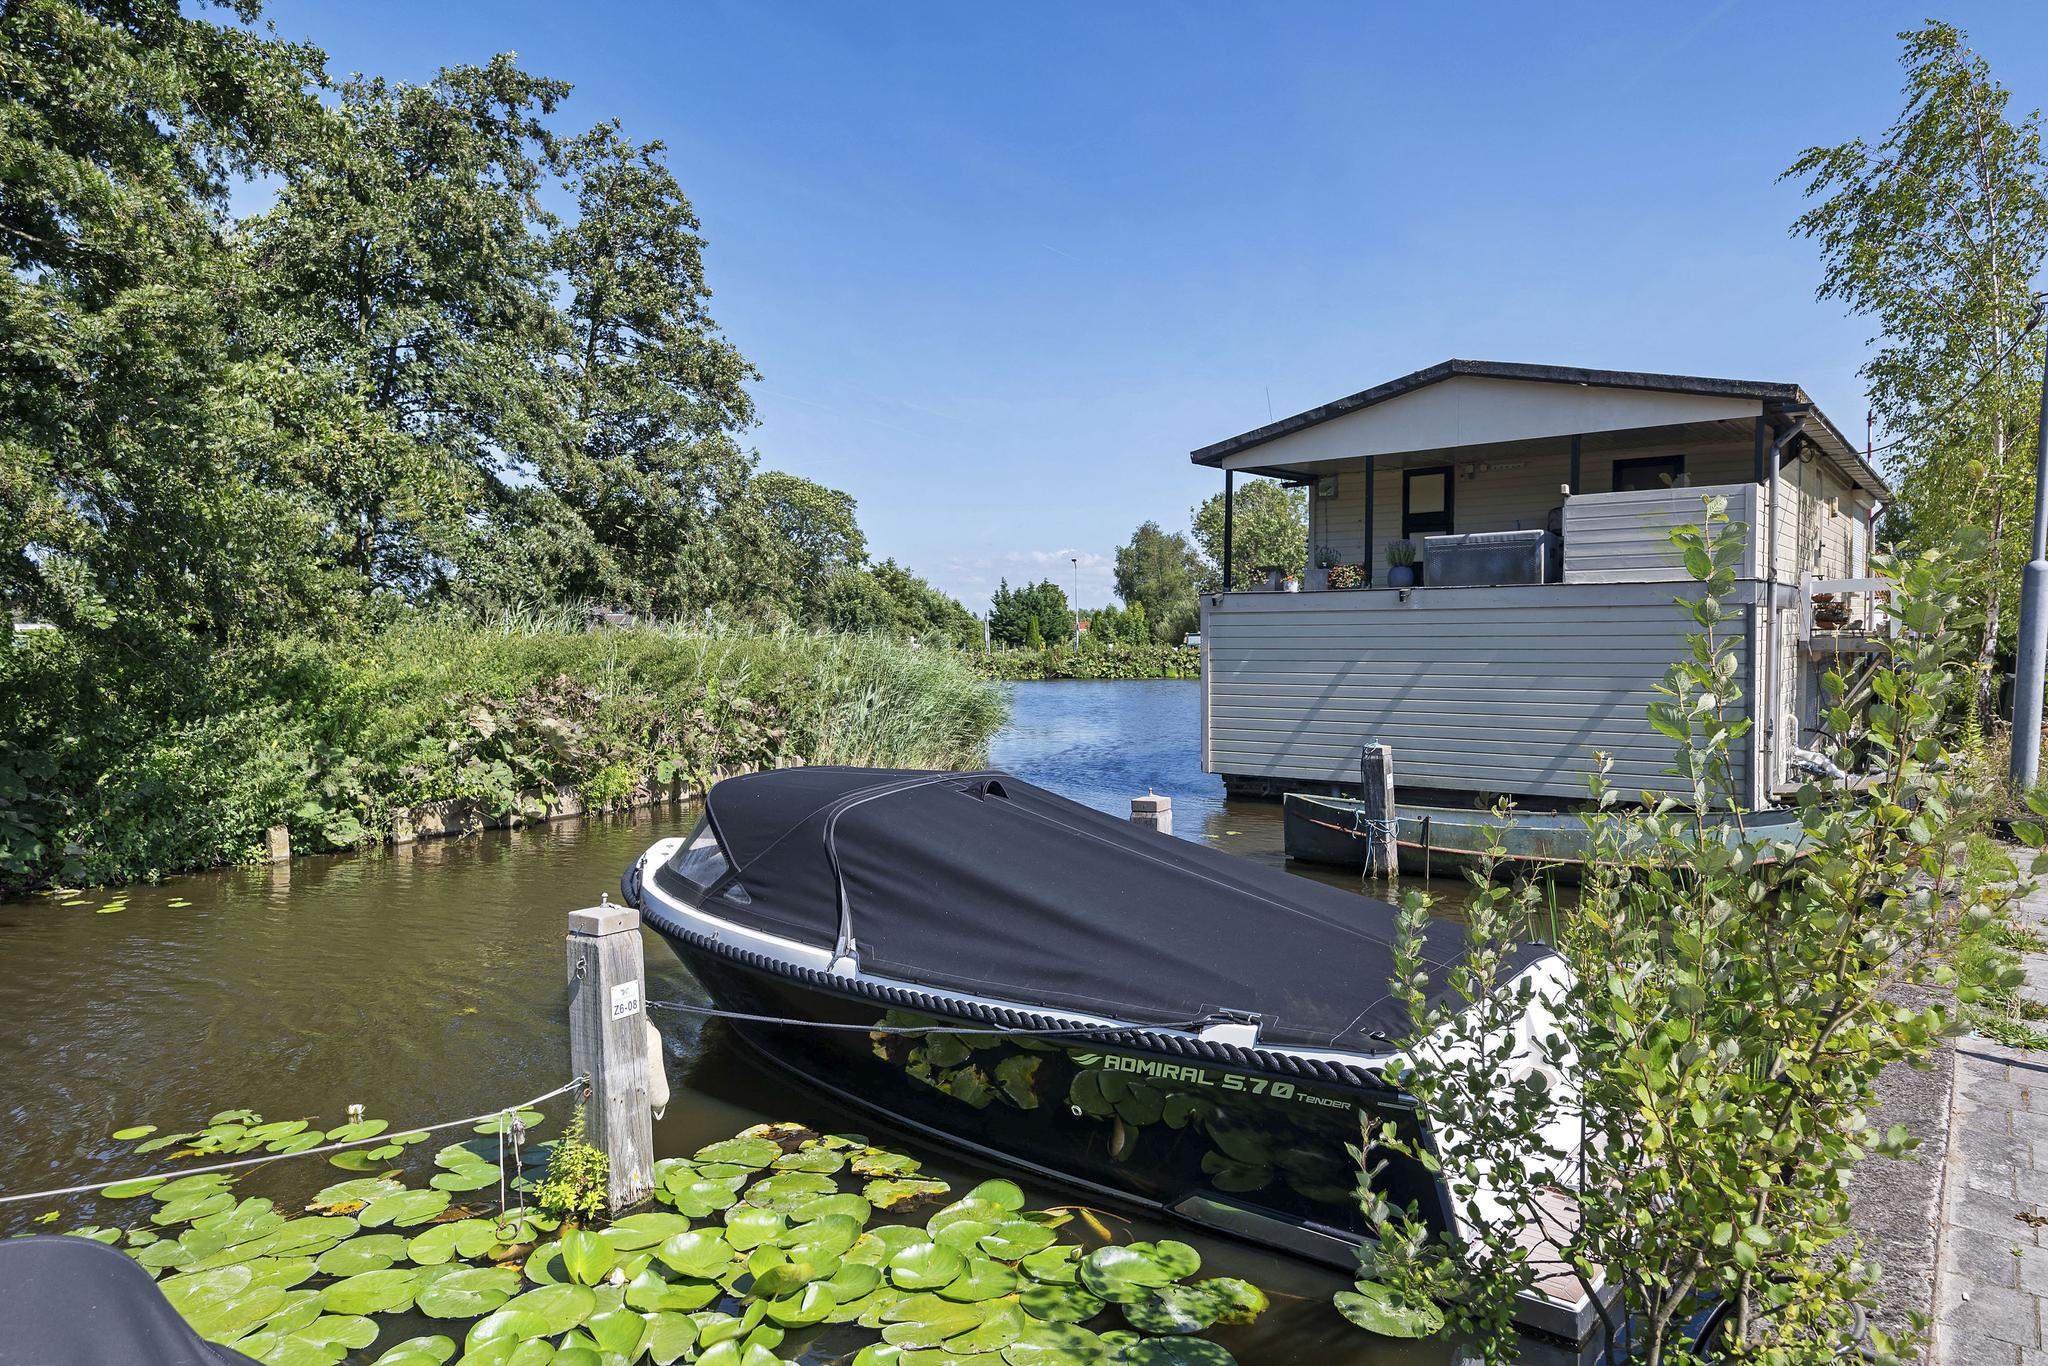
(427, 983)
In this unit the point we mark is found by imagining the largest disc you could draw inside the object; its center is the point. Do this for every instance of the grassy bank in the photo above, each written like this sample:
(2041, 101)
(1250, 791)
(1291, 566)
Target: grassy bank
(1059, 661)
(335, 739)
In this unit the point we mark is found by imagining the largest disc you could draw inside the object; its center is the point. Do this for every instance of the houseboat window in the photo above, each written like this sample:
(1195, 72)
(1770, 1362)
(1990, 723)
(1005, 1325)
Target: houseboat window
(1426, 501)
(1651, 472)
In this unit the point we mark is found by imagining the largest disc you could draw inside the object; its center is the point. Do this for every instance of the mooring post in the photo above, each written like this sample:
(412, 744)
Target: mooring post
(277, 843)
(1376, 809)
(1154, 812)
(608, 1045)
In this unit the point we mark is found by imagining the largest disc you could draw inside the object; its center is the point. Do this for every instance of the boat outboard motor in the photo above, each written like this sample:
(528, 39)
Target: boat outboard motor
(74, 1302)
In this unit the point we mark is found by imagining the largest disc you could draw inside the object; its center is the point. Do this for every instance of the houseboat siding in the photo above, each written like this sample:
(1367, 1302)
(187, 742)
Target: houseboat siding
(1492, 690)
(1626, 537)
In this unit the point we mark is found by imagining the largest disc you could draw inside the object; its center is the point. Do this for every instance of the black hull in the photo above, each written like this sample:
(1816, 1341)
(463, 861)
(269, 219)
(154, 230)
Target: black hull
(1236, 1150)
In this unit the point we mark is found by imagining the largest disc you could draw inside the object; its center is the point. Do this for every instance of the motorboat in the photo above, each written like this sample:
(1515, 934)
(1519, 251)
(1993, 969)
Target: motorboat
(1051, 988)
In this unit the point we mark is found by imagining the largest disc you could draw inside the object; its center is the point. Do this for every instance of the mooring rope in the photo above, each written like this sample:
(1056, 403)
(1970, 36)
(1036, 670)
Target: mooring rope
(1052, 1031)
(382, 1138)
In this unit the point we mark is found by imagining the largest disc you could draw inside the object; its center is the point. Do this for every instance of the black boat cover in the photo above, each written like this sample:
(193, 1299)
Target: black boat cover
(74, 1302)
(985, 884)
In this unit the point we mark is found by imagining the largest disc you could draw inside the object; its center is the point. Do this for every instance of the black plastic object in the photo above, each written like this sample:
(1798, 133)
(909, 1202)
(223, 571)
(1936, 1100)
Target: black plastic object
(75, 1302)
(984, 884)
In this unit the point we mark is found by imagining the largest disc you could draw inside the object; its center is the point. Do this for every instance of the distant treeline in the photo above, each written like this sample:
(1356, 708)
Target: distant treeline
(1063, 661)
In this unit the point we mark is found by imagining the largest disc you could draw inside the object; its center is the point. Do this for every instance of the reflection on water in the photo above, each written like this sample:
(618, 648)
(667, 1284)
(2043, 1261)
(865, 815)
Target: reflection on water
(426, 982)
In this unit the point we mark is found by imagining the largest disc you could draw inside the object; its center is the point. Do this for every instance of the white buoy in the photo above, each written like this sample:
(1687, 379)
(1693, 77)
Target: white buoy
(657, 1071)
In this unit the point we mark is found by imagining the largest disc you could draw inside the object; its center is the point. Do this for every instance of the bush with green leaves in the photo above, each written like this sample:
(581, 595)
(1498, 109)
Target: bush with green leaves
(1710, 1069)
(576, 1182)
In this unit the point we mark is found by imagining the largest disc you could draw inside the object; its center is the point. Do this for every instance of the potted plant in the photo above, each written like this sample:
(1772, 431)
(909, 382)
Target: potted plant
(1347, 576)
(1292, 583)
(1318, 574)
(1402, 571)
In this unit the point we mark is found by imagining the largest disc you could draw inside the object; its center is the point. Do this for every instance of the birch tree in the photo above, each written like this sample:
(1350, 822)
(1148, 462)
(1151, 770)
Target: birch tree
(1938, 233)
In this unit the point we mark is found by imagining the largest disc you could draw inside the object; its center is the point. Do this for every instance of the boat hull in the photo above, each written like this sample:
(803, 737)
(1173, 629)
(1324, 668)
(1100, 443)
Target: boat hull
(1439, 840)
(1239, 1150)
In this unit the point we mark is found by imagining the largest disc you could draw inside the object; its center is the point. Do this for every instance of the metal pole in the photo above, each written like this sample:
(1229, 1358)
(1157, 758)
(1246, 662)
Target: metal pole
(1077, 602)
(1229, 514)
(2033, 652)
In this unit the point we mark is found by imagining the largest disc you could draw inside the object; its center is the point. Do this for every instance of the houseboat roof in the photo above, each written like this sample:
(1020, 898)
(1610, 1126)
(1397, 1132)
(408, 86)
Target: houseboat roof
(1776, 399)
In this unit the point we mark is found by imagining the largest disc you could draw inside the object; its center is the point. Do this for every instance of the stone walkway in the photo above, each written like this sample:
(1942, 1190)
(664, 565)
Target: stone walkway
(1991, 1280)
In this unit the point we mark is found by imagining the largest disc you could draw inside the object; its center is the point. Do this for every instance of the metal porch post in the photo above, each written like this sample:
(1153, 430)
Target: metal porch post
(1574, 480)
(1229, 528)
(2032, 663)
(1370, 480)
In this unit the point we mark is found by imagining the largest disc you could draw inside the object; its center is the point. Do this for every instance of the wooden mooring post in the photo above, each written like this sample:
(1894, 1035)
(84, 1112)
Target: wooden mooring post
(1376, 811)
(1154, 812)
(608, 1045)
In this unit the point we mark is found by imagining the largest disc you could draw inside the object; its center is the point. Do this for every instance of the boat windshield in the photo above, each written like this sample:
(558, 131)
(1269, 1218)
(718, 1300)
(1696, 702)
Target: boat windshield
(702, 864)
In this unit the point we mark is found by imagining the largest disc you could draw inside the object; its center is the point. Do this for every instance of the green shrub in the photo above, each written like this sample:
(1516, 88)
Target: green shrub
(576, 1182)
(1123, 662)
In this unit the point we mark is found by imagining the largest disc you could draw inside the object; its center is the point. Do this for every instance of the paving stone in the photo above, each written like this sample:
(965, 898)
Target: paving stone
(1984, 1259)
(2011, 1316)
(1955, 1347)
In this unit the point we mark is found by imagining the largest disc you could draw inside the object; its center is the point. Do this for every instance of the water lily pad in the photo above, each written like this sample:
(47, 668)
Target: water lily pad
(895, 1192)
(819, 1160)
(296, 1143)
(829, 1235)
(586, 1256)
(1055, 1344)
(700, 1199)
(310, 1235)
(223, 1318)
(699, 1252)
(1004, 1194)
(752, 1153)
(1016, 1239)
(737, 1354)
(644, 1230)
(919, 1321)
(669, 1337)
(1372, 1306)
(359, 1130)
(1059, 1303)
(421, 1351)
(134, 1131)
(651, 1291)
(371, 1292)
(193, 1207)
(962, 1234)
(1003, 1325)
(441, 1243)
(1058, 1264)
(544, 1265)
(984, 1279)
(371, 1252)
(800, 1310)
(1236, 1301)
(750, 1227)
(404, 1209)
(926, 1266)
(981, 1211)
(1173, 1352)
(1127, 1273)
(359, 1191)
(786, 1190)
(879, 1162)
(617, 1330)
(562, 1307)
(128, 1190)
(467, 1292)
(1173, 1309)
(467, 1179)
(164, 1141)
(854, 1281)
(201, 1183)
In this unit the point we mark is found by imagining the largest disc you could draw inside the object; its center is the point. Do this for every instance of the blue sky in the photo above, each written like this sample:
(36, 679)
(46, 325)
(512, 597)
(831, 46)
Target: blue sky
(1002, 267)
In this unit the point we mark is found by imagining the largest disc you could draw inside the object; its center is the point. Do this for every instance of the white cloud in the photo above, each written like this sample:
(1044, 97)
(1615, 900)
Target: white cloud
(973, 578)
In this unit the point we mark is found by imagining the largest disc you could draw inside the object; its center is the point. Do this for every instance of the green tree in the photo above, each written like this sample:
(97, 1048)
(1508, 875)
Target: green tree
(654, 469)
(1159, 570)
(146, 467)
(1015, 612)
(401, 266)
(1938, 234)
(809, 534)
(923, 611)
(1269, 526)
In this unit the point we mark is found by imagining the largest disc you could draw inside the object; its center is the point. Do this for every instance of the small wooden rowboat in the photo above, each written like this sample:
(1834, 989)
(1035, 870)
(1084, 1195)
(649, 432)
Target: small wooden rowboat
(1439, 839)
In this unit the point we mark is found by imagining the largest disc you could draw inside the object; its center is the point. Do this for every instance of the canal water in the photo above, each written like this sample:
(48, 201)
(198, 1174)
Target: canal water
(426, 982)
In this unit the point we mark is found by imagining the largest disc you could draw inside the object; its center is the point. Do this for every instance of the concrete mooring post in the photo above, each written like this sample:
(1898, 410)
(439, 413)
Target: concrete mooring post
(608, 1045)
(1154, 812)
(1376, 809)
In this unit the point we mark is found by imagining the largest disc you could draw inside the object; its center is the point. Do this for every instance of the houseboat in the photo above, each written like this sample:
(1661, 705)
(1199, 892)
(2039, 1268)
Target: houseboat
(1536, 503)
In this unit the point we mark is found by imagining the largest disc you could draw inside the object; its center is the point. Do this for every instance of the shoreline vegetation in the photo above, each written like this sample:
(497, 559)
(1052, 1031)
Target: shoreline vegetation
(341, 740)
(1122, 662)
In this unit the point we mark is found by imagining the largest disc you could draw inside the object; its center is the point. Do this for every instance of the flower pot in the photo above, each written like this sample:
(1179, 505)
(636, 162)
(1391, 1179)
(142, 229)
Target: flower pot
(1401, 576)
